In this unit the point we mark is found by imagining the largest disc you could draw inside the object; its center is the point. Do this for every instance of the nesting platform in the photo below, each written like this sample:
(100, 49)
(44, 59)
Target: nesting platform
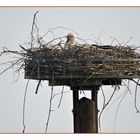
(83, 65)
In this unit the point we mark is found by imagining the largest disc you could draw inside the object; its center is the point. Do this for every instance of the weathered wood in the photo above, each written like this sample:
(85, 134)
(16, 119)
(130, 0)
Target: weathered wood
(94, 93)
(87, 116)
(76, 111)
(85, 67)
(82, 69)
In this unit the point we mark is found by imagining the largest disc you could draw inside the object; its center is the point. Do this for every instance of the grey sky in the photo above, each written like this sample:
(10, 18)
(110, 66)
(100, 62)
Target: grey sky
(15, 27)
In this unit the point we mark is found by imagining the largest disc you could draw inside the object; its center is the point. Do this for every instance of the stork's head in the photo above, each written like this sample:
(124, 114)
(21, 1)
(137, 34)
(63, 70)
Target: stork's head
(70, 37)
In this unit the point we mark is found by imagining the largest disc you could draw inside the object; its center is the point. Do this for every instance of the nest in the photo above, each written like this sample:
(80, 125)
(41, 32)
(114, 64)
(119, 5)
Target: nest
(84, 60)
(84, 52)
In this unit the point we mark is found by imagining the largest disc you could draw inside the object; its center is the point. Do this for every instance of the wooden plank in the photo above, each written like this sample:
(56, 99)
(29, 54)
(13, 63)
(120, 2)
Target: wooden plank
(41, 69)
(69, 77)
(43, 60)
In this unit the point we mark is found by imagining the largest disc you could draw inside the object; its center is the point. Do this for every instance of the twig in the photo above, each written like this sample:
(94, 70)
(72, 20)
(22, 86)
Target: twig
(32, 30)
(54, 40)
(98, 38)
(82, 40)
(83, 93)
(24, 101)
(12, 52)
(15, 80)
(12, 65)
(51, 31)
(59, 94)
(114, 102)
(50, 104)
(104, 99)
(59, 27)
(135, 99)
(62, 93)
(9, 62)
(124, 94)
(135, 82)
(24, 106)
(127, 86)
(37, 86)
(128, 41)
(105, 107)
(114, 39)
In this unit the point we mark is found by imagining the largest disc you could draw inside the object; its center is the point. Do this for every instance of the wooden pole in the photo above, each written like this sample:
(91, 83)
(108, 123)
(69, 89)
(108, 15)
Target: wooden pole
(87, 119)
(76, 110)
(94, 93)
(85, 112)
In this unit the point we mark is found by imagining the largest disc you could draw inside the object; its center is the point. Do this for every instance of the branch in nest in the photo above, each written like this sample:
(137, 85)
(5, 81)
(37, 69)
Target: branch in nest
(26, 50)
(54, 40)
(50, 104)
(61, 97)
(37, 86)
(32, 31)
(135, 82)
(124, 94)
(6, 50)
(127, 86)
(135, 100)
(58, 27)
(105, 105)
(12, 65)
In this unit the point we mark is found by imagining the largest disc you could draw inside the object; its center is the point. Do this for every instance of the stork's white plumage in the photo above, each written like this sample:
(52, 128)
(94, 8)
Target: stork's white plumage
(70, 40)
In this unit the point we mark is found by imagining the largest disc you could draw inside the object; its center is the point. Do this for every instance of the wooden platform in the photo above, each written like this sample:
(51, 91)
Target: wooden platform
(82, 72)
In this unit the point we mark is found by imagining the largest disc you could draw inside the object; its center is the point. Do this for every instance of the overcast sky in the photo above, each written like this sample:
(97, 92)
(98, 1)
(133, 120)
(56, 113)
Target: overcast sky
(15, 27)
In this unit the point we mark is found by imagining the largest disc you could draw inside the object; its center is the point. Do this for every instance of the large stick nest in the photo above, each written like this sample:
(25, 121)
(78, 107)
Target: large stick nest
(83, 52)
(90, 59)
